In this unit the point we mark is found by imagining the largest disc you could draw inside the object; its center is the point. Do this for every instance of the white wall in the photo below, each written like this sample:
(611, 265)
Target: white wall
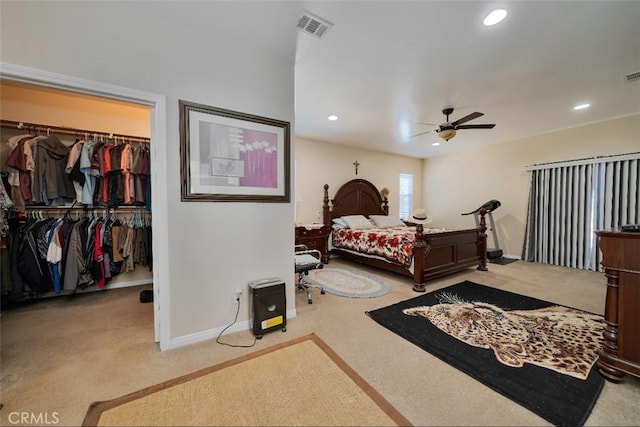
(462, 182)
(213, 247)
(319, 163)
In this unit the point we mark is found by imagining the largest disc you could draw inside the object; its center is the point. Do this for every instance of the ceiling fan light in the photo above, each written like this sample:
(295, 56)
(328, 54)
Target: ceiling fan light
(447, 134)
(494, 17)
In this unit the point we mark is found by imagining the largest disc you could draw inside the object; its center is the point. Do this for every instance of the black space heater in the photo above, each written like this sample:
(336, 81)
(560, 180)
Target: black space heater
(268, 306)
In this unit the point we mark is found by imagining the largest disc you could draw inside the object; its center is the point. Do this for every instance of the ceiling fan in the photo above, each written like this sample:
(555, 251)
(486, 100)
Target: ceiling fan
(448, 130)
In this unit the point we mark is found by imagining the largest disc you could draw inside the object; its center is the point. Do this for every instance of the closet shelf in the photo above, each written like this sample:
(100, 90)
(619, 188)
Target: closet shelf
(39, 127)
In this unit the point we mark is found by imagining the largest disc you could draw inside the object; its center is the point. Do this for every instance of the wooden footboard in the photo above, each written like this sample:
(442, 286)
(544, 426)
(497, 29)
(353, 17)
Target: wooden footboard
(439, 254)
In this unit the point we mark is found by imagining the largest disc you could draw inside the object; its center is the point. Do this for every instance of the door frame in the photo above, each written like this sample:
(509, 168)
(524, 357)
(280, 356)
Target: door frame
(159, 197)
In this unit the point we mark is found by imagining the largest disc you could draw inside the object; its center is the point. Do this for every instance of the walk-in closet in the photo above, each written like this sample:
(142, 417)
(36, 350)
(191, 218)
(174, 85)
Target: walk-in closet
(76, 193)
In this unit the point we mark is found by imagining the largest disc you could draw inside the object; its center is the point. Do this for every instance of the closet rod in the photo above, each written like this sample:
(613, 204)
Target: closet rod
(62, 209)
(68, 131)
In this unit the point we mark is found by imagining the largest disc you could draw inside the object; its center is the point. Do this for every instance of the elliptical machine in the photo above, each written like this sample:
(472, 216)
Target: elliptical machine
(489, 206)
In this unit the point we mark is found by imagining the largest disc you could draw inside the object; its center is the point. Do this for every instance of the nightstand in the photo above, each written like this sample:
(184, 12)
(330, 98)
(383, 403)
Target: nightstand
(314, 236)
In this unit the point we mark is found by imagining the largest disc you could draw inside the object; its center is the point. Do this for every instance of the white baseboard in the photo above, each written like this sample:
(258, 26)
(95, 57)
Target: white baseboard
(213, 333)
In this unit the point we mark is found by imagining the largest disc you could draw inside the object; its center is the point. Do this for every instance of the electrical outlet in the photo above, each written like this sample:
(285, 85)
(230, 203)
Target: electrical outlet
(237, 293)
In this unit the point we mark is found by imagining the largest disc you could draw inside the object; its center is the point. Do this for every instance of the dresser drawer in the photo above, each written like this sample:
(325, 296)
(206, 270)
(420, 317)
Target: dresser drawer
(305, 233)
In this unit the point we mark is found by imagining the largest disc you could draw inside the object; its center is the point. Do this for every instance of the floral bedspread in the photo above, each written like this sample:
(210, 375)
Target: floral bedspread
(394, 244)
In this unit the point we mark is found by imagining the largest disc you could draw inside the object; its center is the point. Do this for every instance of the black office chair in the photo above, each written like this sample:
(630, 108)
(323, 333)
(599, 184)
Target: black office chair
(305, 260)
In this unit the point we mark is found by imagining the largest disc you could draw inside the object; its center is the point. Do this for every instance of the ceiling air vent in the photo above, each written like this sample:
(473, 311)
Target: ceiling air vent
(313, 25)
(633, 77)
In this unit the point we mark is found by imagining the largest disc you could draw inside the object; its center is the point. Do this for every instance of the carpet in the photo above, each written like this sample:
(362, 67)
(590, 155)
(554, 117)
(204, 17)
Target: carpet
(536, 353)
(348, 283)
(302, 382)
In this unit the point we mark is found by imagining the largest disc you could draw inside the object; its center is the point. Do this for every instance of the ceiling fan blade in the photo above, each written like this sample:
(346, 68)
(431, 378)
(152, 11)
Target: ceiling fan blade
(429, 124)
(491, 126)
(467, 118)
(419, 134)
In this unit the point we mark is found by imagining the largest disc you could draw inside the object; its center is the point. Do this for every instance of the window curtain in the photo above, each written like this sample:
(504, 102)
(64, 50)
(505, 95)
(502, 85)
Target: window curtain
(569, 201)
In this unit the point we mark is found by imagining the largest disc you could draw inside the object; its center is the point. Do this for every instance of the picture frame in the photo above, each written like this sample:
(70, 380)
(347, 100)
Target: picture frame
(229, 156)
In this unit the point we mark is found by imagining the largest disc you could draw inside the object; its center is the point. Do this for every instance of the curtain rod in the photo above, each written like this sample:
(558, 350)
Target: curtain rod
(586, 161)
(69, 131)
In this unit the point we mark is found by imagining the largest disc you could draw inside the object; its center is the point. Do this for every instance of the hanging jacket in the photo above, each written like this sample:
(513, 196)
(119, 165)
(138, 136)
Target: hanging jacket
(98, 257)
(18, 161)
(84, 254)
(31, 260)
(54, 254)
(51, 184)
(15, 240)
(71, 267)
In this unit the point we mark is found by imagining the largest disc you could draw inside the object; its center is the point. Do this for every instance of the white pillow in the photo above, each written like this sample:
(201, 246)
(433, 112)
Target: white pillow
(338, 223)
(384, 221)
(357, 222)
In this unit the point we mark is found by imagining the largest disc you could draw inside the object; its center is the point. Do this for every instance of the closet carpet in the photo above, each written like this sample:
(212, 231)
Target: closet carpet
(60, 355)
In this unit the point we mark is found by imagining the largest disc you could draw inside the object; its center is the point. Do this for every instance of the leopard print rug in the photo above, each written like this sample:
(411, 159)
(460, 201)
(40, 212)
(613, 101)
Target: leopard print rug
(556, 337)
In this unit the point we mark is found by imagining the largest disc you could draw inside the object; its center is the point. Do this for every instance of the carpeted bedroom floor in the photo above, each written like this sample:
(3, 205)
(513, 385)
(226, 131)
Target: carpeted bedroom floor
(54, 367)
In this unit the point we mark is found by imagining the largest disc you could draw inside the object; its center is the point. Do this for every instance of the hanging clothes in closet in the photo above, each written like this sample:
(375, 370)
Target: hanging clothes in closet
(44, 171)
(61, 255)
(5, 205)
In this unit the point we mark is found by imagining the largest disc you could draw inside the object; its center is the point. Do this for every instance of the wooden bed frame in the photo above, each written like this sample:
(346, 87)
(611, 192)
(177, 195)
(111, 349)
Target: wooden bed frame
(434, 255)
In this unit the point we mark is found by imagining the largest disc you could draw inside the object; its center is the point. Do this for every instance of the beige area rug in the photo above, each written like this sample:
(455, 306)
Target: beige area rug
(302, 382)
(348, 283)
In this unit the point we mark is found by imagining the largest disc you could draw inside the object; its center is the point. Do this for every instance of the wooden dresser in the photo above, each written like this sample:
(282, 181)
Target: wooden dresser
(621, 261)
(314, 236)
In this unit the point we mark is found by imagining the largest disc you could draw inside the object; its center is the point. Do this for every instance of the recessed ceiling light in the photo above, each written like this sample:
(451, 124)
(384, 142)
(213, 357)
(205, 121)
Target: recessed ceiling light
(494, 17)
(435, 144)
(582, 106)
(333, 117)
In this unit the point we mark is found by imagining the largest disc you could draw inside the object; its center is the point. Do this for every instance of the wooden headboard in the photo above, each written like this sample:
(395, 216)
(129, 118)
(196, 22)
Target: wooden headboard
(356, 197)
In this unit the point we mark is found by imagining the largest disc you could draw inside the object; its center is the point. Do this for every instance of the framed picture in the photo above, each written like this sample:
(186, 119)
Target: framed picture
(228, 156)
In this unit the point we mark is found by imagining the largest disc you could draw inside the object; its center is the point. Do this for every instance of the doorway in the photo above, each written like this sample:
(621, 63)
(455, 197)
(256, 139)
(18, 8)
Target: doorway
(157, 132)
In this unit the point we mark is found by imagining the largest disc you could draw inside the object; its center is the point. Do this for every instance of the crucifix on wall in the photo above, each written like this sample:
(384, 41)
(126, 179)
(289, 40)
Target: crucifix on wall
(356, 164)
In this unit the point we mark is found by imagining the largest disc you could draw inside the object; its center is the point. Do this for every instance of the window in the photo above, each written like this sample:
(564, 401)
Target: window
(406, 194)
